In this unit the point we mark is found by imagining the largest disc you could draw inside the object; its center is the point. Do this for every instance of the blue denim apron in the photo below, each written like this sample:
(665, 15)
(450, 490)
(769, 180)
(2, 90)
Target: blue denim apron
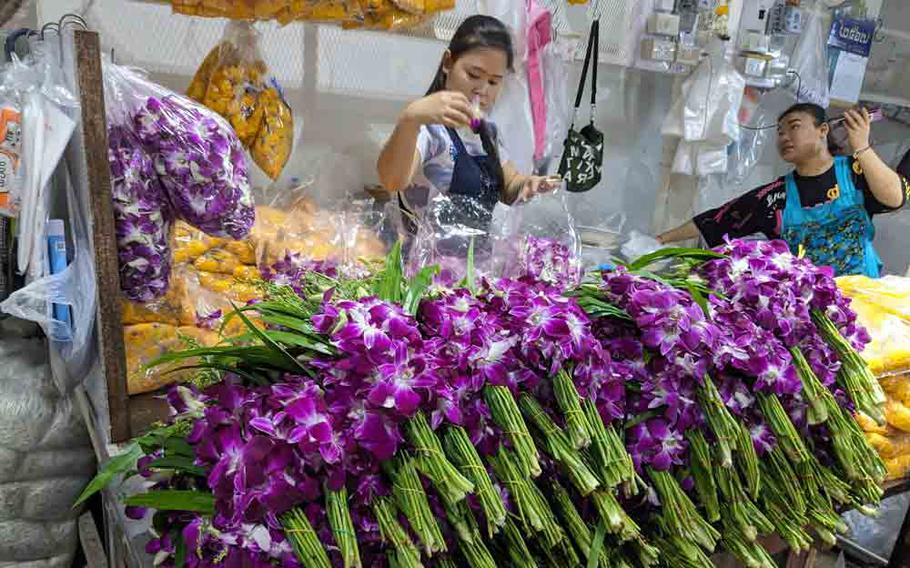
(838, 233)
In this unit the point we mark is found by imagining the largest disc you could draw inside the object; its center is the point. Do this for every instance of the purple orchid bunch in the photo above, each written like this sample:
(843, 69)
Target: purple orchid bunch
(142, 218)
(292, 269)
(551, 261)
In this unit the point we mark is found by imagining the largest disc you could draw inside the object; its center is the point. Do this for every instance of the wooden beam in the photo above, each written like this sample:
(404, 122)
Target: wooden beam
(93, 130)
(90, 540)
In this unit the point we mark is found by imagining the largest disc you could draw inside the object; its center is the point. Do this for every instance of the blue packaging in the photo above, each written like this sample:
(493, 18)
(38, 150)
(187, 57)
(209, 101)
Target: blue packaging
(56, 256)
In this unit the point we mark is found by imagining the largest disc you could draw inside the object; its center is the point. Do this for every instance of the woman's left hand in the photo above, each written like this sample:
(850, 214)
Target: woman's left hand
(537, 185)
(859, 125)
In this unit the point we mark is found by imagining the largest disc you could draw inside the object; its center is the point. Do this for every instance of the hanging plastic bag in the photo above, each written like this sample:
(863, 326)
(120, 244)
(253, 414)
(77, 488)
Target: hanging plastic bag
(11, 171)
(558, 57)
(233, 80)
(74, 287)
(705, 116)
(810, 60)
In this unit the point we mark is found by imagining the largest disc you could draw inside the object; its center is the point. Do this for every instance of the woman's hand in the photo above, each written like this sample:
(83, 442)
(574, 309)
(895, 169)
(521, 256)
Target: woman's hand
(537, 185)
(859, 125)
(445, 107)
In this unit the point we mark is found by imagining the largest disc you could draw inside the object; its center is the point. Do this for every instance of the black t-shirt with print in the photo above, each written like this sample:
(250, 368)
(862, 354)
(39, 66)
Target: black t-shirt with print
(761, 210)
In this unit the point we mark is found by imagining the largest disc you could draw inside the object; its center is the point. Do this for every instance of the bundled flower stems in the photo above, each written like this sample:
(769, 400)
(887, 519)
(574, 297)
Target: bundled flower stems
(632, 419)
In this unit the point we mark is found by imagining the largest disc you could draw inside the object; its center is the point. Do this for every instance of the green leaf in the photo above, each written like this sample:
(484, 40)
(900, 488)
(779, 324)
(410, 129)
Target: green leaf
(180, 553)
(174, 500)
(388, 286)
(179, 463)
(267, 340)
(178, 446)
(417, 287)
(116, 465)
(301, 341)
(597, 544)
(470, 276)
(671, 253)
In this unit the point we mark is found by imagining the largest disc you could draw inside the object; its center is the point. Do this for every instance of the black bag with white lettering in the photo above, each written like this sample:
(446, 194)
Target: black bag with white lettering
(582, 157)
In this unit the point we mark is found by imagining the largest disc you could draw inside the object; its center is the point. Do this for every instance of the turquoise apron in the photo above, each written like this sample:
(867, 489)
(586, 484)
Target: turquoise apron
(838, 233)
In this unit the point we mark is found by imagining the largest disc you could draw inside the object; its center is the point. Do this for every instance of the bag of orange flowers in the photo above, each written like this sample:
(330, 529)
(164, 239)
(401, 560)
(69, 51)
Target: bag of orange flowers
(234, 81)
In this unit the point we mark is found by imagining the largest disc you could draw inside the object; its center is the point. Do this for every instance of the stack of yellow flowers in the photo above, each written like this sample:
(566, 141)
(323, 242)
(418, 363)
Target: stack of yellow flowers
(371, 14)
(211, 273)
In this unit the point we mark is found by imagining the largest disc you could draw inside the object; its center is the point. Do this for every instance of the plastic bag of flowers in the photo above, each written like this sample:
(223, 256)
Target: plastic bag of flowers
(197, 156)
(233, 80)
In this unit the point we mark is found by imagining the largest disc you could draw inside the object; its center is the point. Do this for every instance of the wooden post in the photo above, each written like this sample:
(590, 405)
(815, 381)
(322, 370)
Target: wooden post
(92, 136)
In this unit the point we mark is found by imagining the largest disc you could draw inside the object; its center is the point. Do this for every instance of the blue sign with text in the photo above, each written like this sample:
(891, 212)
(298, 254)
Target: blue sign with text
(852, 35)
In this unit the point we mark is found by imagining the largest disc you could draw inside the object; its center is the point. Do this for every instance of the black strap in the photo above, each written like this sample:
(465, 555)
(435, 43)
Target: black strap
(591, 53)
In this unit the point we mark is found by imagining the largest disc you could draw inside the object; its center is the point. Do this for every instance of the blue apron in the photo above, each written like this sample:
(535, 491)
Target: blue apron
(473, 191)
(838, 233)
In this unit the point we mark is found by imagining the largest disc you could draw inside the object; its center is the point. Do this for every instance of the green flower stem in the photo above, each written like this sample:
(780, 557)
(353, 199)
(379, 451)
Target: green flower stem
(403, 553)
(411, 500)
(680, 553)
(509, 474)
(508, 417)
(342, 527)
(464, 455)
(612, 462)
(516, 547)
(471, 544)
(307, 547)
(569, 402)
(679, 515)
(611, 512)
(746, 550)
(739, 510)
(559, 447)
(854, 376)
(700, 460)
(432, 462)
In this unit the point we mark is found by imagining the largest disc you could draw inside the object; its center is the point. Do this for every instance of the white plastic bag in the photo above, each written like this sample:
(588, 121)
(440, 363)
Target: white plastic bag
(705, 116)
(74, 287)
(810, 61)
(639, 244)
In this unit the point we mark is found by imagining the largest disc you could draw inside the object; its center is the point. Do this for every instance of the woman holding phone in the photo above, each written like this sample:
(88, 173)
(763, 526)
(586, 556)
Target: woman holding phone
(824, 207)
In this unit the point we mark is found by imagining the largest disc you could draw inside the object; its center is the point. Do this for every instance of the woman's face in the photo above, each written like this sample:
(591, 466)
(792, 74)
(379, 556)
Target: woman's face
(799, 139)
(477, 73)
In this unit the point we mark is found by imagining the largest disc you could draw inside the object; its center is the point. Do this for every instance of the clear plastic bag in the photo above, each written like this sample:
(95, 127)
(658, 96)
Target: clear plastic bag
(883, 308)
(233, 80)
(142, 217)
(198, 158)
(639, 244)
(538, 239)
(450, 226)
(73, 287)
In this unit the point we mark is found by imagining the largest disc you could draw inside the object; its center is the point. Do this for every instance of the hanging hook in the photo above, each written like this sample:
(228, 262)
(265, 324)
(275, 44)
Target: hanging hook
(72, 19)
(49, 26)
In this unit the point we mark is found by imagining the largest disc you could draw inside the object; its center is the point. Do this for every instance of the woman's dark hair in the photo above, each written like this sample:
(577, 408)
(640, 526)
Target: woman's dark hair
(478, 32)
(817, 113)
(819, 117)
